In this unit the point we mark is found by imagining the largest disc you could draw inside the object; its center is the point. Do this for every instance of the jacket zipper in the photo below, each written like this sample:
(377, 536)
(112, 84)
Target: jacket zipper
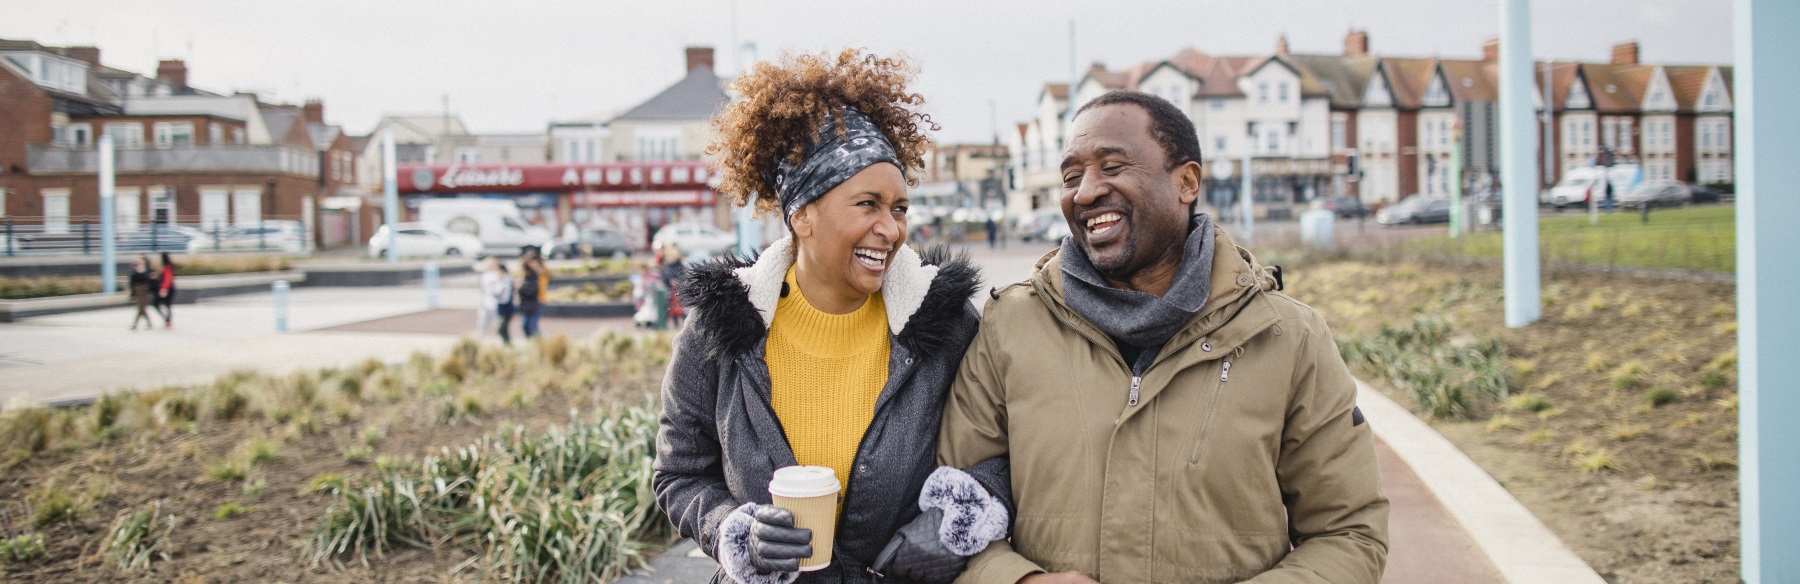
(1224, 374)
(1136, 381)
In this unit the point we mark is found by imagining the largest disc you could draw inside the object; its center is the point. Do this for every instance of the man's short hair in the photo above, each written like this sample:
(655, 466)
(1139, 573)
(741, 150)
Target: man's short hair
(1171, 128)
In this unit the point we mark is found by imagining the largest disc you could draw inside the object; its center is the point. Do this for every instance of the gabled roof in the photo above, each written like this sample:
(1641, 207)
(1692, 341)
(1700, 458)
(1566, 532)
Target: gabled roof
(1471, 81)
(1221, 79)
(360, 143)
(1611, 95)
(1056, 91)
(1562, 76)
(1407, 80)
(697, 97)
(279, 120)
(1342, 78)
(1687, 82)
(323, 135)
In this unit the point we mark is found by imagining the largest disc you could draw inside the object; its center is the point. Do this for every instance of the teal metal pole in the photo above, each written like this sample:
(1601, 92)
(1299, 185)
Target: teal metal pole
(1459, 219)
(390, 192)
(1247, 197)
(1768, 141)
(1518, 159)
(109, 266)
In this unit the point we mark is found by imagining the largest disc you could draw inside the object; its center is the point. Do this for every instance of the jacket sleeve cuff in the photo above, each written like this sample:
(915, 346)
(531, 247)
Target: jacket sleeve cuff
(972, 516)
(998, 565)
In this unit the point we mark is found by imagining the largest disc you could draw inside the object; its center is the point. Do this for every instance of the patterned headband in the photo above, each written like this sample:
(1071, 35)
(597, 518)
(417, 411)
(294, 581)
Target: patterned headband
(832, 159)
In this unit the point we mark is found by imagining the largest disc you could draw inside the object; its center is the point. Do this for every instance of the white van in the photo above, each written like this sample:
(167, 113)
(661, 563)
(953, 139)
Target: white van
(498, 223)
(1582, 182)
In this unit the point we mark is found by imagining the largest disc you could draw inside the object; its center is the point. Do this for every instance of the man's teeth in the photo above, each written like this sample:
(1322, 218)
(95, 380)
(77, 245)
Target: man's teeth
(1107, 218)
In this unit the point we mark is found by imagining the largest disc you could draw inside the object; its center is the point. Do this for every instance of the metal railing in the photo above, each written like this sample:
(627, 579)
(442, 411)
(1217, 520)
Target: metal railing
(42, 159)
(80, 235)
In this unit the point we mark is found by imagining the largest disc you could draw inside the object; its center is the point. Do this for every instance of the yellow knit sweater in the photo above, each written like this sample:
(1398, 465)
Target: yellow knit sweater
(826, 370)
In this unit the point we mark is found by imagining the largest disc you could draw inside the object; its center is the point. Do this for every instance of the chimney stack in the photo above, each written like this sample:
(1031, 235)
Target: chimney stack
(313, 112)
(173, 72)
(1625, 53)
(1356, 43)
(1490, 50)
(1281, 47)
(89, 54)
(698, 57)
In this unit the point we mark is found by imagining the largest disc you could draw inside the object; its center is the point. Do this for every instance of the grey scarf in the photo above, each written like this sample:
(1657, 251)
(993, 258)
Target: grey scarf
(1137, 318)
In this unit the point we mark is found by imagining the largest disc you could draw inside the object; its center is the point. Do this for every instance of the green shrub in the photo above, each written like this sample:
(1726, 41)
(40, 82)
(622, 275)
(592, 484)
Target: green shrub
(138, 537)
(22, 548)
(1661, 396)
(227, 511)
(573, 503)
(55, 505)
(1446, 378)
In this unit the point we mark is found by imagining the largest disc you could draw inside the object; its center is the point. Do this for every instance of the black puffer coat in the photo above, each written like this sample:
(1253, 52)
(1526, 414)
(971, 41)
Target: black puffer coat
(720, 440)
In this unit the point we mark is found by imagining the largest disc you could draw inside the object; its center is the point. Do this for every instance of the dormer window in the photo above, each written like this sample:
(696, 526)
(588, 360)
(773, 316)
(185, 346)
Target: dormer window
(1578, 97)
(1377, 93)
(1436, 95)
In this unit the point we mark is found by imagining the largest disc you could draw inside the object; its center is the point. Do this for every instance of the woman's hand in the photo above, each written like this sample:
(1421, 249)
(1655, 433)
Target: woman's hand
(1058, 578)
(775, 544)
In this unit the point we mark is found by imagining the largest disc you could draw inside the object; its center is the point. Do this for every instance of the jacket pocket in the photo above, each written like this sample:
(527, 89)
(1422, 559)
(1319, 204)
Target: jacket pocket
(1212, 412)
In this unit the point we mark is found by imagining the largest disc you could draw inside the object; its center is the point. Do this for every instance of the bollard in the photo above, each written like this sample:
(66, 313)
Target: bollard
(1316, 228)
(431, 285)
(280, 289)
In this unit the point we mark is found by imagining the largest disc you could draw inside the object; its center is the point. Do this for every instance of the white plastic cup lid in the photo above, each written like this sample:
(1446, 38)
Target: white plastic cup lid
(804, 481)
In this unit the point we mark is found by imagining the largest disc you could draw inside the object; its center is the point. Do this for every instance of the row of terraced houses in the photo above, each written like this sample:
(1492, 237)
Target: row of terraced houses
(1382, 128)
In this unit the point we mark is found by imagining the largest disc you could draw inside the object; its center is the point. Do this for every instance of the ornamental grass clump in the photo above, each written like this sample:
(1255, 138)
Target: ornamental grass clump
(1448, 378)
(572, 503)
(138, 537)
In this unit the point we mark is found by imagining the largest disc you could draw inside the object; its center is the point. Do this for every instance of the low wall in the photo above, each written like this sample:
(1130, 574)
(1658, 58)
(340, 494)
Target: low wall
(188, 289)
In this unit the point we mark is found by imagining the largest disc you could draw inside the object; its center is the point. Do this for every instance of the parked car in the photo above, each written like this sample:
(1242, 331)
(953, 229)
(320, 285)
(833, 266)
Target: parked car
(1415, 209)
(1657, 194)
(1037, 226)
(696, 241)
(594, 242)
(275, 235)
(1347, 207)
(421, 240)
(498, 223)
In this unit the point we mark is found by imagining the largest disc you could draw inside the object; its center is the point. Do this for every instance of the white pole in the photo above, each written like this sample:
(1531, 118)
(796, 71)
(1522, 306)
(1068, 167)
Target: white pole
(109, 267)
(390, 191)
(1519, 186)
(1247, 196)
(1767, 141)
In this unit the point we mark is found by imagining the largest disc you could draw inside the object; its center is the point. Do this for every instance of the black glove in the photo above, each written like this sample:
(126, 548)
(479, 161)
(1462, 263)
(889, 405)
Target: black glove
(775, 544)
(916, 555)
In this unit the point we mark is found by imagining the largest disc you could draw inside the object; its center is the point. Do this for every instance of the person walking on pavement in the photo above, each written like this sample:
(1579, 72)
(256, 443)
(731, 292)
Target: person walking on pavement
(834, 348)
(496, 300)
(143, 287)
(1170, 416)
(672, 270)
(534, 283)
(165, 291)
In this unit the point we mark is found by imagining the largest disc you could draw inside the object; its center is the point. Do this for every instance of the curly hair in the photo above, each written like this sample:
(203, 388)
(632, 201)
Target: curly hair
(781, 107)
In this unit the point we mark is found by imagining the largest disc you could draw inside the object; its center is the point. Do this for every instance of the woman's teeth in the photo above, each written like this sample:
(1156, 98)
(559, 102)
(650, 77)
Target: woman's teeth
(872, 257)
(1103, 222)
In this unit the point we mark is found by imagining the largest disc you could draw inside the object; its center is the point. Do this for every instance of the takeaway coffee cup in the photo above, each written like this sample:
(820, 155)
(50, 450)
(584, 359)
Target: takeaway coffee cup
(811, 493)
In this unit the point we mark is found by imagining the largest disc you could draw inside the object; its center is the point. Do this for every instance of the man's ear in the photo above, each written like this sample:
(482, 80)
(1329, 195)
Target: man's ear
(1187, 182)
(802, 222)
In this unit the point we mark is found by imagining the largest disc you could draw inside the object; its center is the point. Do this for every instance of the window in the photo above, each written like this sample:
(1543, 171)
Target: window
(170, 134)
(237, 135)
(1272, 140)
(1216, 104)
(1609, 131)
(1587, 134)
(1262, 92)
(1219, 144)
(215, 134)
(1340, 135)
(1625, 135)
(1281, 92)
(126, 134)
(214, 207)
(1722, 137)
(56, 210)
(468, 155)
(127, 208)
(246, 206)
(81, 135)
(1705, 137)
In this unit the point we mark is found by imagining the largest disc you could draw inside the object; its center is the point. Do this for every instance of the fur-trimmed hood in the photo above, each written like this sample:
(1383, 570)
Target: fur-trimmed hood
(732, 301)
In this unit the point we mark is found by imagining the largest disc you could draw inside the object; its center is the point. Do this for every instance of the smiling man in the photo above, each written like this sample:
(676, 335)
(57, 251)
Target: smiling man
(1170, 416)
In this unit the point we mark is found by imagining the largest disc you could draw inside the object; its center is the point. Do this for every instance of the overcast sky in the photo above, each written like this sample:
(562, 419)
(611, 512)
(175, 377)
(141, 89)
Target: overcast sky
(513, 66)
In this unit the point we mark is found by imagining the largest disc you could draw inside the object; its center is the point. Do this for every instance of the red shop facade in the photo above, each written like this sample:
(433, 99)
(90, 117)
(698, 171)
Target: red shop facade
(635, 197)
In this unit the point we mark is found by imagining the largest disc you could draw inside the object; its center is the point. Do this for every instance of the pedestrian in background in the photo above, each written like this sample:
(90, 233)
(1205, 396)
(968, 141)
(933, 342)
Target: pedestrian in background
(673, 269)
(496, 300)
(143, 288)
(165, 291)
(534, 282)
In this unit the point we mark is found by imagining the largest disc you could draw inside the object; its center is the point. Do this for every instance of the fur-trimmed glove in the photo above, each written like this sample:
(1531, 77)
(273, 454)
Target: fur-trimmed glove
(960, 517)
(758, 544)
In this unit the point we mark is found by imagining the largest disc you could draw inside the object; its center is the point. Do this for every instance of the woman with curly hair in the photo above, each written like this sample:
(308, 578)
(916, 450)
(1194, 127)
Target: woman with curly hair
(834, 349)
